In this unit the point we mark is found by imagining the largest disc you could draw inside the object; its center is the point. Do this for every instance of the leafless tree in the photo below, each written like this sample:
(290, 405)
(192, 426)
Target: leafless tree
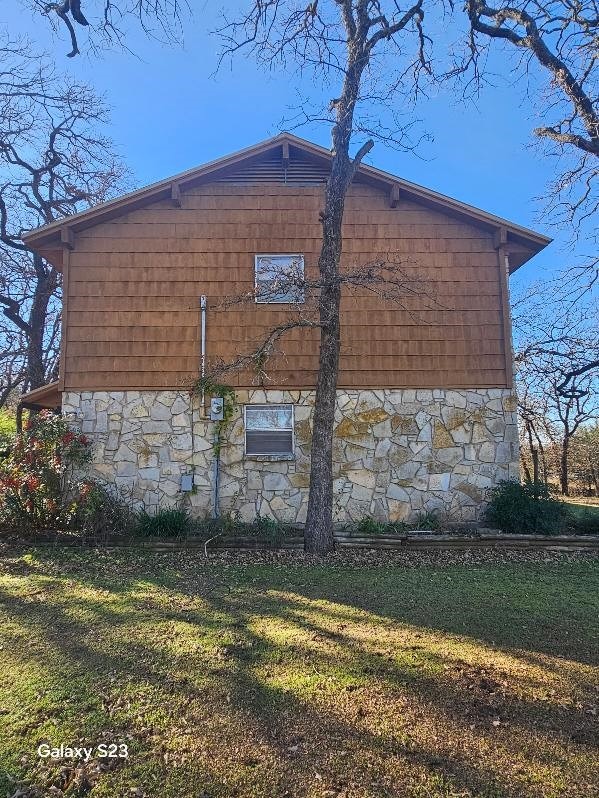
(557, 359)
(373, 51)
(393, 281)
(555, 43)
(106, 23)
(53, 162)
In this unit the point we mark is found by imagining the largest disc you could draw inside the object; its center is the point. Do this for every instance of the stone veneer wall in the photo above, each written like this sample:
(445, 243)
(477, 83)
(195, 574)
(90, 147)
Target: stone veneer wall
(397, 453)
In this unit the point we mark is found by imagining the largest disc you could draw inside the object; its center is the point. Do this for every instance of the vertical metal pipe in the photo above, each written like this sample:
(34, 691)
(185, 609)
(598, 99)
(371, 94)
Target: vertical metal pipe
(203, 351)
(203, 307)
(215, 510)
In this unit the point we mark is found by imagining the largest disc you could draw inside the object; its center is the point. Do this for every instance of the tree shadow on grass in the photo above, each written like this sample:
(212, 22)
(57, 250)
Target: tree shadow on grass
(274, 709)
(295, 736)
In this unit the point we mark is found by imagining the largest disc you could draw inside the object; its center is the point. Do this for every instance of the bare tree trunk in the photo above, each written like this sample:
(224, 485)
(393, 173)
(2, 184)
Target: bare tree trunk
(45, 286)
(564, 480)
(535, 466)
(318, 534)
(525, 468)
(274, 30)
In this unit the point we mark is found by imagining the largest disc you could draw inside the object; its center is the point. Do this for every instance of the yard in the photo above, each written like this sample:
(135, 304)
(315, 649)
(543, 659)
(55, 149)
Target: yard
(585, 511)
(268, 675)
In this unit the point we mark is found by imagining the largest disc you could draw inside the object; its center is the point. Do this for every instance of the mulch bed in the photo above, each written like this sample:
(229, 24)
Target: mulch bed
(353, 558)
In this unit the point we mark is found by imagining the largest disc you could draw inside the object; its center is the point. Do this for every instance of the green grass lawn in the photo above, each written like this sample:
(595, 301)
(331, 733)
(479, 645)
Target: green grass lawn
(586, 513)
(268, 676)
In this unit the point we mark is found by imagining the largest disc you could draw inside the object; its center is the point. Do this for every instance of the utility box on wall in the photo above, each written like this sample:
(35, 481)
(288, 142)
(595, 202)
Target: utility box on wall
(216, 408)
(186, 483)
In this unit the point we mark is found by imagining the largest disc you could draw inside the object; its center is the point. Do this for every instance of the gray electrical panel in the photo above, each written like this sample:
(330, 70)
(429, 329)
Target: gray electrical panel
(216, 408)
(186, 483)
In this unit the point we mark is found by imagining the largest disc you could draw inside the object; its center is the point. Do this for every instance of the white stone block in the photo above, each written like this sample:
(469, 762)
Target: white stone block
(182, 441)
(439, 481)
(362, 477)
(153, 427)
(275, 481)
(398, 493)
(503, 453)
(180, 405)
(170, 487)
(160, 412)
(124, 453)
(166, 397)
(486, 453)
(152, 474)
(360, 493)
(450, 456)
(382, 448)
(455, 399)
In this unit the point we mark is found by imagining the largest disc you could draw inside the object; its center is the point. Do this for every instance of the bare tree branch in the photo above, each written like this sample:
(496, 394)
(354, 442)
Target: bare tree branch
(53, 162)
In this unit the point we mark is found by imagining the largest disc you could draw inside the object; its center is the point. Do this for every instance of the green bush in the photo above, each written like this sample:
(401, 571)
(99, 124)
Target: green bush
(168, 522)
(263, 528)
(582, 520)
(426, 521)
(526, 509)
(270, 531)
(369, 526)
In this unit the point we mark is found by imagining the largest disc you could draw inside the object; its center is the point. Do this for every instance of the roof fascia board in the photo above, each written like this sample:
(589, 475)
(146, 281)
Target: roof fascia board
(155, 191)
(163, 189)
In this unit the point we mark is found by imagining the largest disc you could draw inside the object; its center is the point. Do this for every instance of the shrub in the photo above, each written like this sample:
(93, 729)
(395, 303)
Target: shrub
(525, 509)
(38, 486)
(369, 526)
(271, 531)
(105, 514)
(223, 526)
(426, 521)
(583, 520)
(169, 522)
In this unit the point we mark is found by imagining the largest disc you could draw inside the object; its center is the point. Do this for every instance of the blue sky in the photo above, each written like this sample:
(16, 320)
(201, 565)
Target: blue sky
(170, 113)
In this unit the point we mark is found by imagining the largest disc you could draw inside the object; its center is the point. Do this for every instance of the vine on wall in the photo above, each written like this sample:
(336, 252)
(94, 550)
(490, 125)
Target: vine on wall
(209, 387)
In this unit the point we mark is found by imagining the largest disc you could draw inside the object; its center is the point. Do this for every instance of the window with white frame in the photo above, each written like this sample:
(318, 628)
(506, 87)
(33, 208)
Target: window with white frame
(269, 430)
(279, 279)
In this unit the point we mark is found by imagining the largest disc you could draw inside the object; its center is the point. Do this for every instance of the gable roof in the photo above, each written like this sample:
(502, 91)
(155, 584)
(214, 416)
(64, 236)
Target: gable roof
(50, 238)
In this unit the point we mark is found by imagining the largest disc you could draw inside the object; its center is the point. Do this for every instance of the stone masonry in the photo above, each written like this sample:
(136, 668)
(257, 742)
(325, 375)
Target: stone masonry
(397, 453)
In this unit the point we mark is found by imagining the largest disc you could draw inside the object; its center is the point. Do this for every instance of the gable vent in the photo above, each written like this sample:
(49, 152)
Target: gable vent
(269, 169)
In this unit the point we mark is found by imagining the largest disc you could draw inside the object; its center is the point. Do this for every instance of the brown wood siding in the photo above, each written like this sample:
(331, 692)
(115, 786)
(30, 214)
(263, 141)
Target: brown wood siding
(134, 286)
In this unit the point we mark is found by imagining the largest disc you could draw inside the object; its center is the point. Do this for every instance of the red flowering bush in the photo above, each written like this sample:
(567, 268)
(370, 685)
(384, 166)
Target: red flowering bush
(39, 489)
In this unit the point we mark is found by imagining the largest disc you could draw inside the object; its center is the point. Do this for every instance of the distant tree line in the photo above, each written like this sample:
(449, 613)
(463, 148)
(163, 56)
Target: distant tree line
(557, 380)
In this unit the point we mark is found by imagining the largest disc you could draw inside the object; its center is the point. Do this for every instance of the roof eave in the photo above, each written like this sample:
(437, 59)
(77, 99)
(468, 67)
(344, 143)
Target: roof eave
(48, 396)
(48, 234)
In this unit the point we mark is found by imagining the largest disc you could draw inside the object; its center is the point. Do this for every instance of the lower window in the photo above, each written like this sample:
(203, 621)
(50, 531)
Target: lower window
(269, 429)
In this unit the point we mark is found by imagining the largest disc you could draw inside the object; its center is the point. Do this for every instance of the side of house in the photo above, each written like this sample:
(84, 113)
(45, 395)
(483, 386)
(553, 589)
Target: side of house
(425, 407)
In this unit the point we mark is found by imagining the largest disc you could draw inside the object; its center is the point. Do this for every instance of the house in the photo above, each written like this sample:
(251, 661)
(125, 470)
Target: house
(426, 414)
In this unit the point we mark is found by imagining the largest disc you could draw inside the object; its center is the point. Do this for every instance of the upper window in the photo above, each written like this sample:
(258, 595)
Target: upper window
(269, 429)
(279, 278)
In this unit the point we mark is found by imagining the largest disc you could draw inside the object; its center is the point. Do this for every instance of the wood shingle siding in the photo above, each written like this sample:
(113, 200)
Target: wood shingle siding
(134, 284)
